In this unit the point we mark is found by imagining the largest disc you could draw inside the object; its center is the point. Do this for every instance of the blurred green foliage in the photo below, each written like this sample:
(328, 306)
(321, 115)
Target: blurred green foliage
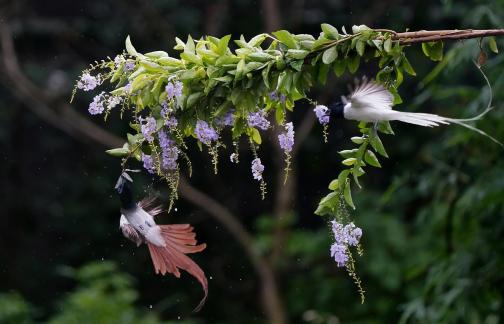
(433, 216)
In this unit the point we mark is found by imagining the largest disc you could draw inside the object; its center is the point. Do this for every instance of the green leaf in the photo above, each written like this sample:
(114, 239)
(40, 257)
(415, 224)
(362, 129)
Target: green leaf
(348, 195)
(170, 61)
(118, 152)
(348, 153)
(353, 63)
(280, 115)
(433, 50)
(322, 73)
(286, 38)
(492, 44)
(297, 54)
(360, 46)
(349, 161)
(377, 145)
(192, 58)
(260, 57)
(329, 55)
(284, 81)
(357, 139)
(339, 67)
(371, 159)
(129, 47)
(333, 185)
(193, 98)
(256, 136)
(223, 44)
(407, 66)
(385, 127)
(330, 31)
(343, 176)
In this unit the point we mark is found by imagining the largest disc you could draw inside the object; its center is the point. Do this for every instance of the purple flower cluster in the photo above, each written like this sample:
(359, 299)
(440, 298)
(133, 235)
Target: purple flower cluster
(205, 133)
(257, 169)
(322, 114)
(148, 163)
(148, 127)
(113, 101)
(258, 120)
(344, 236)
(170, 151)
(87, 82)
(226, 120)
(286, 139)
(96, 107)
(171, 122)
(174, 89)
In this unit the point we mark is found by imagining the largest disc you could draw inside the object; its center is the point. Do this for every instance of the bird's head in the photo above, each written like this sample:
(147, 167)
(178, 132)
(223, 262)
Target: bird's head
(123, 189)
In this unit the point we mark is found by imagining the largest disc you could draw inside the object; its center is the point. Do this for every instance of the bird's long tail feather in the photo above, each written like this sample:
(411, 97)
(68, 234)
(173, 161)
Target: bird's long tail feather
(431, 120)
(180, 240)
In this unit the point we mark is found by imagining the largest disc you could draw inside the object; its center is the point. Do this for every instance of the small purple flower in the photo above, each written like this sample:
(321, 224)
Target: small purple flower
(96, 107)
(170, 151)
(148, 126)
(118, 59)
(205, 133)
(273, 95)
(88, 82)
(258, 120)
(148, 163)
(322, 114)
(226, 120)
(171, 122)
(339, 253)
(127, 87)
(286, 140)
(257, 169)
(129, 66)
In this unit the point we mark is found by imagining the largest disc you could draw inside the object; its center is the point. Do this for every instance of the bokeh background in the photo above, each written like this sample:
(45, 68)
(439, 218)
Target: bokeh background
(433, 216)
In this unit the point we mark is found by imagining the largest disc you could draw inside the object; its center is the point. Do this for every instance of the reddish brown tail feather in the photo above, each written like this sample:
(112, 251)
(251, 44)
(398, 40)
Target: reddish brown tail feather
(180, 240)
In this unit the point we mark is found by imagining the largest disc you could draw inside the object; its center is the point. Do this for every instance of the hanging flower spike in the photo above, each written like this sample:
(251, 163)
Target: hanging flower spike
(257, 169)
(205, 133)
(148, 127)
(169, 151)
(286, 141)
(258, 120)
(148, 163)
(321, 112)
(339, 253)
(88, 82)
(96, 107)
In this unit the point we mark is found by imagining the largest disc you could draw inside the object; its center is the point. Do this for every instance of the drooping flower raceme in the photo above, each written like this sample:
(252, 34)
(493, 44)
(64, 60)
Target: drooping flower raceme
(96, 107)
(87, 82)
(286, 140)
(148, 163)
(344, 236)
(169, 152)
(148, 127)
(173, 89)
(257, 169)
(258, 120)
(321, 112)
(205, 133)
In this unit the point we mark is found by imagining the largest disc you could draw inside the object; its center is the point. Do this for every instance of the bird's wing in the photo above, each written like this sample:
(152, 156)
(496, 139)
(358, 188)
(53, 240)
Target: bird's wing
(371, 95)
(149, 205)
(129, 231)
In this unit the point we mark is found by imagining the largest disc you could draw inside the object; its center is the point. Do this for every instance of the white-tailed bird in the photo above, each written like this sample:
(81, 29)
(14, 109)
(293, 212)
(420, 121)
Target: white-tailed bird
(168, 244)
(372, 102)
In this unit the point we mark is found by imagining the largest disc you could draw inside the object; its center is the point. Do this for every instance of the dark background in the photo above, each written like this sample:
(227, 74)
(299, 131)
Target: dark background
(432, 216)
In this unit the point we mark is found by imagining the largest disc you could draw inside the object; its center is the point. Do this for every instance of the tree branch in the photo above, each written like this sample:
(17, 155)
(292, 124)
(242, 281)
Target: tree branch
(424, 36)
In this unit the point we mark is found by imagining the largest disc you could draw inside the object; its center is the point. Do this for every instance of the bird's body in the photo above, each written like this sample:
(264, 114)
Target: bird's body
(168, 244)
(372, 102)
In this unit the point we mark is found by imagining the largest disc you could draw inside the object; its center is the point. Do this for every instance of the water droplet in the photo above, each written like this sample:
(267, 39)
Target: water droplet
(178, 317)
(150, 306)
(175, 209)
(211, 277)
